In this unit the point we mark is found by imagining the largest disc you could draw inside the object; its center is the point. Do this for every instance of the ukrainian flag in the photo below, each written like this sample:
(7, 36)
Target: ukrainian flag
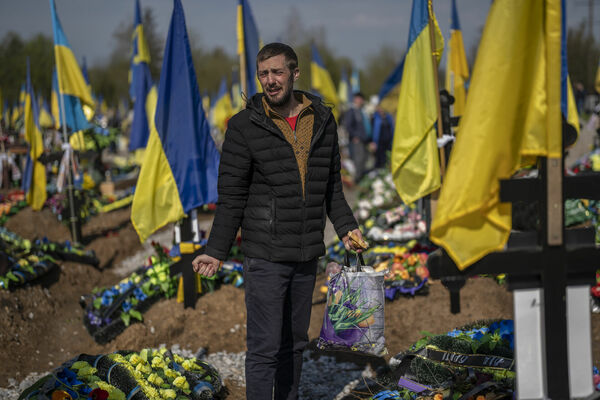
(321, 82)
(457, 70)
(71, 82)
(45, 118)
(415, 162)
(344, 89)
(141, 83)
(355, 81)
(248, 42)
(54, 107)
(15, 115)
(222, 109)
(180, 167)
(34, 177)
(517, 93)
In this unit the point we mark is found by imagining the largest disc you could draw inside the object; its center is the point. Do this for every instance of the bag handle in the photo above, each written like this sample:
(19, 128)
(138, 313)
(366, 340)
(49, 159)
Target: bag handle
(360, 262)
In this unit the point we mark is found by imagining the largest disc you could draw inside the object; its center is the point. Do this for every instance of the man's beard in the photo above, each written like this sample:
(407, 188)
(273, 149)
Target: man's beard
(285, 98)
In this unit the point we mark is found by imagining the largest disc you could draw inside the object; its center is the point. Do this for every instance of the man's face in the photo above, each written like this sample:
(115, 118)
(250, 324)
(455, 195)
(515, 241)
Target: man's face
(277, 80)
(359, 101)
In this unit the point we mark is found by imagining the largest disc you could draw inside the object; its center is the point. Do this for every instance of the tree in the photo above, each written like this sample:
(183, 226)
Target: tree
(13, 64)
(583, 54)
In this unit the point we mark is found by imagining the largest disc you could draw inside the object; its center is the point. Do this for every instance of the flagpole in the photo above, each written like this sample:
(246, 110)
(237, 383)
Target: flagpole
(75, 229)
(440, 130)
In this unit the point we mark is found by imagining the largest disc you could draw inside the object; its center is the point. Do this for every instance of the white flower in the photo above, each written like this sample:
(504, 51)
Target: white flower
(363, 214)
(364, 205)
(378, 186)
(378, 201)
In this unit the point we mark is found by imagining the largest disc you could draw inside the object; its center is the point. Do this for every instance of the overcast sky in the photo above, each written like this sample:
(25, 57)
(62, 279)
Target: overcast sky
(354, 28)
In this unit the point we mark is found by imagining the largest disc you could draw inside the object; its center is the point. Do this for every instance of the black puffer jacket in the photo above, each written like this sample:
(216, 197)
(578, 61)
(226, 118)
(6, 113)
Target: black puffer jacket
(260, 189)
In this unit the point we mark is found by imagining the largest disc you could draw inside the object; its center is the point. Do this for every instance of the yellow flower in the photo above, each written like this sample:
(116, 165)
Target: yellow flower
(181, 382)
(168, 393)
(136, 359)
(116, 357)
(169, 373)
(149, 391)
(178, 359)
(145, 369)
(158, 362)
(155, 379)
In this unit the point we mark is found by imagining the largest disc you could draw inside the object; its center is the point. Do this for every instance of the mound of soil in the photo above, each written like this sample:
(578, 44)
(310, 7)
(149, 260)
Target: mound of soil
(42, 323)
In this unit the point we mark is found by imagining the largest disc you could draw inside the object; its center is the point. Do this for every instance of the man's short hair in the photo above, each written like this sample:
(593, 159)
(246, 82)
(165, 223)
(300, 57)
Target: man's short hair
(275, 49)
(359, 94)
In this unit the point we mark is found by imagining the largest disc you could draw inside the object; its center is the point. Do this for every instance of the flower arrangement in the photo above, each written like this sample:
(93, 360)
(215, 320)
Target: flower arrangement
(452, 364)
(11, 204)
(111, 309)
(21, 261)
(149, 374)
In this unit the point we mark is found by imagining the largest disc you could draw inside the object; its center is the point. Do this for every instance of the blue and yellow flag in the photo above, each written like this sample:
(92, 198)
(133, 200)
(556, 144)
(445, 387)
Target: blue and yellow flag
(180, 167)
(517, 93)
(34, 177)
(15, 115)
(45, 117)
(415, 162)
(355, 81)
(141, 83)
(222, 109)
(457, 70)
(248, 42)
(71, 83)
(54, 107)
(22, 94)
(344, 93)
(321, 82)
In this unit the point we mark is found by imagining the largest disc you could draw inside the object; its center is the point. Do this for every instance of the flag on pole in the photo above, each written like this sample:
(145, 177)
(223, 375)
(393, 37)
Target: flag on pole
(248, 42)
(355, 81)
(180, 166)
(34, 178)
(54, 107)
(222, 109)
(457, 70)
(321, 82)
(45, 118)
(141, 83)
(517, 92)
(344, 93)
(415, 161)
(71, 83)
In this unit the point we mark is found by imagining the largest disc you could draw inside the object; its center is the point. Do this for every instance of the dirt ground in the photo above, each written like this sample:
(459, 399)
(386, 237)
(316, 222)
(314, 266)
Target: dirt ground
(41, 325)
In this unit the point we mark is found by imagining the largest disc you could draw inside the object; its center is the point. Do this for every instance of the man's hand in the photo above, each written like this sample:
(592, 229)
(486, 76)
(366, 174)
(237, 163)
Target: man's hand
(352, 244)
(205, 265)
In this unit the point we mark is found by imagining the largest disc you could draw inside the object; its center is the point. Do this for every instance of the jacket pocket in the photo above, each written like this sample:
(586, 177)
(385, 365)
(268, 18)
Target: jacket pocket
(272, 218)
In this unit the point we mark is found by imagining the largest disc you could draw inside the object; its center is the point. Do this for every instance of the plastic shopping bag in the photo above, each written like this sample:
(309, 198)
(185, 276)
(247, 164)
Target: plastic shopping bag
(354, 316)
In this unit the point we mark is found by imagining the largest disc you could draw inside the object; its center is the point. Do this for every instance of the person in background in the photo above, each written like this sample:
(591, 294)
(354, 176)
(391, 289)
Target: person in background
(383, 135)
(358, 125)
(279, 178)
